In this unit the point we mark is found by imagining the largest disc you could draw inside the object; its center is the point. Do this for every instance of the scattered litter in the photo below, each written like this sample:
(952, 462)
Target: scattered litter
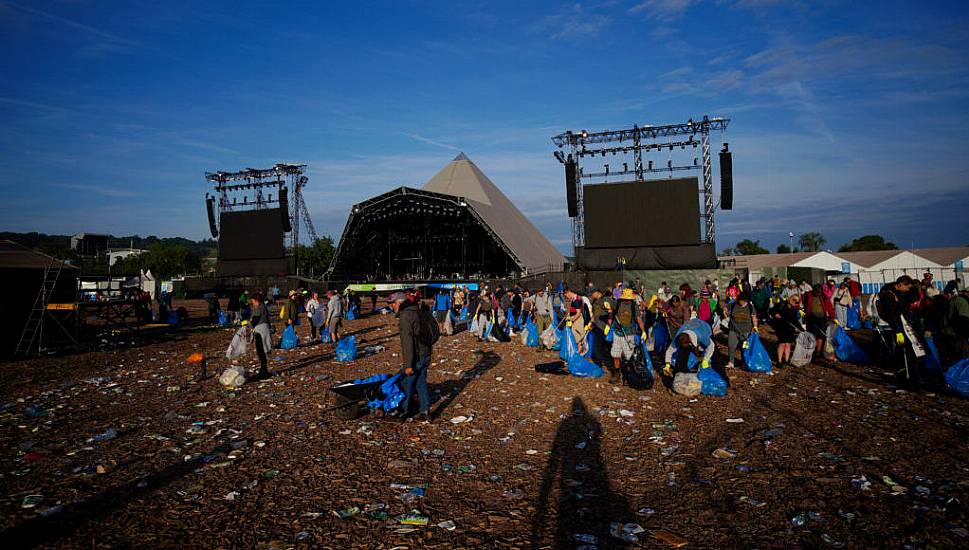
(724, 453)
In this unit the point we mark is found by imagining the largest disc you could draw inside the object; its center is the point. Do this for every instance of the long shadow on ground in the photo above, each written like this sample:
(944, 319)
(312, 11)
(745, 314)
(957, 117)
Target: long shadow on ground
(586, 504)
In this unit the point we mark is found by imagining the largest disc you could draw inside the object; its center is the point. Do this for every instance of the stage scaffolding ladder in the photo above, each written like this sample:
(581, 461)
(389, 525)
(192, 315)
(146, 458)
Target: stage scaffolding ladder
(34, 328)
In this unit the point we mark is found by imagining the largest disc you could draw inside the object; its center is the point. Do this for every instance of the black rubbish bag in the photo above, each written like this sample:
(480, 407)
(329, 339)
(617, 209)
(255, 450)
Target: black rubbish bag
(639, 370)
(499, 334)
(555, 367)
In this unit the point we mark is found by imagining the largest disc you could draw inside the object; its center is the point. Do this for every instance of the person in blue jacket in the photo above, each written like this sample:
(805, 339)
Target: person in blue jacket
(442, 305)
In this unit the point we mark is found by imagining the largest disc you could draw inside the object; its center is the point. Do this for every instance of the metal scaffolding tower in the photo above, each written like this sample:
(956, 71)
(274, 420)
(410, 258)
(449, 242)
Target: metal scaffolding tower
(574, 146)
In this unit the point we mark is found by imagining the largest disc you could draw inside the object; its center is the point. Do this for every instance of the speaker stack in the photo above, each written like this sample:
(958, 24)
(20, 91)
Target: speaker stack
(571, 187)
(284, 209)
(726, 179)
(210, 208)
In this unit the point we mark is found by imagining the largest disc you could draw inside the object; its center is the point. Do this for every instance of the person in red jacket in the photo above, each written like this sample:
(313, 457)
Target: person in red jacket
(818, 312)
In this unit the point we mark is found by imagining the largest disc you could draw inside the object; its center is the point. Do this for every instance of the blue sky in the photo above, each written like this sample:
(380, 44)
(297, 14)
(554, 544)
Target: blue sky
(848, 118)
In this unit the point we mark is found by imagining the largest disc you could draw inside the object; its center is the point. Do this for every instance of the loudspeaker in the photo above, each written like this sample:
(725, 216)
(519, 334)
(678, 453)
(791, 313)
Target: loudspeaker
(571, 193)
(284, 209)
(726, 180)
(210, 208)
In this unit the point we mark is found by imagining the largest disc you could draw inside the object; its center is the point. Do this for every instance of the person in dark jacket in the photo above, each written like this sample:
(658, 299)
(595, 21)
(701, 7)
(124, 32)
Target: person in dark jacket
(415, 354)
(290, 309)
(761, 300)
(786, 323)
(907, 351)
(261, 334)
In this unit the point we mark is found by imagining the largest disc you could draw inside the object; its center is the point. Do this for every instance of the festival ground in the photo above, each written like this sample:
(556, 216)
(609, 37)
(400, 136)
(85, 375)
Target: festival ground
(126, 450)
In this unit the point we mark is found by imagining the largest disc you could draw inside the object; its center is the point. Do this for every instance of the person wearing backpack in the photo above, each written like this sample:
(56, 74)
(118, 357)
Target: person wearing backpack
(818, 312)
(624, 321)
(418, 334)
(743, 323)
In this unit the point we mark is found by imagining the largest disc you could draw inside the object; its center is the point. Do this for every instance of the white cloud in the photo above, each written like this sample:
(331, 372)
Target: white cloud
(662, 10)
(573, 21)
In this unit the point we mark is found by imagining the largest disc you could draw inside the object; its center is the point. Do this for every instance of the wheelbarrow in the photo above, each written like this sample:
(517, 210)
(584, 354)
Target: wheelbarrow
(380, 394)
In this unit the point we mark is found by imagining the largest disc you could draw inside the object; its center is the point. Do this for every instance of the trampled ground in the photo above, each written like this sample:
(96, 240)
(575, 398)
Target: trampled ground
(825, 456)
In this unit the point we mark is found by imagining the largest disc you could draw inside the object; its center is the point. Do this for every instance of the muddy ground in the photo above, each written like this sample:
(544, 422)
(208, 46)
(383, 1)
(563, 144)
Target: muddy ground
(122, 448)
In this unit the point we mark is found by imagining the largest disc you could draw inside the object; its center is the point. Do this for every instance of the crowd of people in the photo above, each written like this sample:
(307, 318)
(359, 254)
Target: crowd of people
(904, 315)
(607, 324)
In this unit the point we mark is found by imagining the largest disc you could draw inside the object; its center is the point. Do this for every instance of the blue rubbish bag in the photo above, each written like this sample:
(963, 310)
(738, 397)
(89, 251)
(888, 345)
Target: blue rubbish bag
(289, 340)
(390, 394)
(932, 363)
(464, 314)
(173, 318)
(958, 377)
(346, 349)
(582, 367)
(845, 348)
(222, 318)
(325, 336)
(661, 337)
(755, 355)
(352, 313)
(711, 383)
(512, 320)
(533, 336)
(568, 347)
(853, 321)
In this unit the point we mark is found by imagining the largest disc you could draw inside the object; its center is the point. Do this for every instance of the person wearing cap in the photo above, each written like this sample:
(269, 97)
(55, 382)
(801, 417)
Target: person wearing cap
(334, 315)
(290, 311)
(705, 305)
(623, 321)
(415, 354)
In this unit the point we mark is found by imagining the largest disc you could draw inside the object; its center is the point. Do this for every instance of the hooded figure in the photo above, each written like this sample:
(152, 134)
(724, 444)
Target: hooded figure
(696, 337)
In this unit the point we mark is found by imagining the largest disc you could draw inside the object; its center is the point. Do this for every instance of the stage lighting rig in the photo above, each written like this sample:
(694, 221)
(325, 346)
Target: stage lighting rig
(575, 146)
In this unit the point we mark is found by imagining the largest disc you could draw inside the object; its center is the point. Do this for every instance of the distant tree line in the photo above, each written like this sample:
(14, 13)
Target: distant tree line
(810, 242)
(165, 256)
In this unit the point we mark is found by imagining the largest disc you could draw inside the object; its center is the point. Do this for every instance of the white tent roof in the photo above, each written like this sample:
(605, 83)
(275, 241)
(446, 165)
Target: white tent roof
(462, 178)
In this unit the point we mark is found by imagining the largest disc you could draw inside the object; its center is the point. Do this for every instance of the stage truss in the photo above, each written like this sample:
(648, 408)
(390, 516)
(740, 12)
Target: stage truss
(574, 147)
